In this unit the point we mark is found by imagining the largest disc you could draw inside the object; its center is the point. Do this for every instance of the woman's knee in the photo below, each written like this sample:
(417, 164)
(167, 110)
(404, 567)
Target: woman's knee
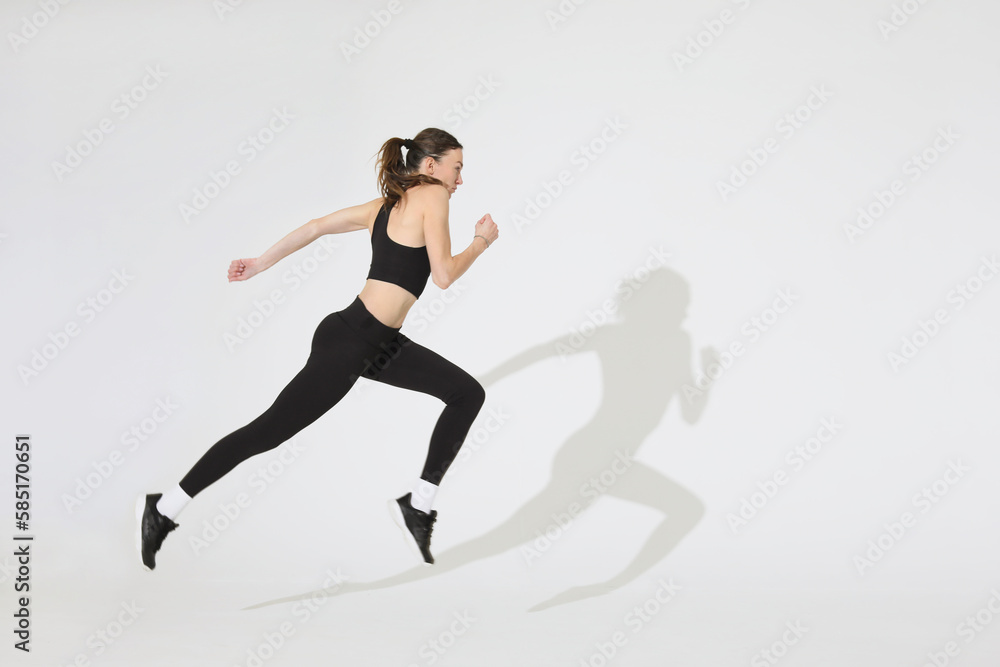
(473, 394)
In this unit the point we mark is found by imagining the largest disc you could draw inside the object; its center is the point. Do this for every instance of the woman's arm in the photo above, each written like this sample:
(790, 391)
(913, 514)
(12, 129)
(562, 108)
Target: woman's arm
(445, 267)
(345, 220)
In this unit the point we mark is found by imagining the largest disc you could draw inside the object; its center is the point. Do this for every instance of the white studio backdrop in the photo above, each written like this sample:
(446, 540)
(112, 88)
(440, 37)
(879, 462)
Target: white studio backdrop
(744, 292)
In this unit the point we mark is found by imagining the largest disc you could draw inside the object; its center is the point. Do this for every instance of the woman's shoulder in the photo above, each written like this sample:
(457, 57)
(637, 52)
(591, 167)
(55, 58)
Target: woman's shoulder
(370, 210)
(427, 195)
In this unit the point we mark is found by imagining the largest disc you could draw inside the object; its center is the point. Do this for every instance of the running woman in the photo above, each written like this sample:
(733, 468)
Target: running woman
(411, 241)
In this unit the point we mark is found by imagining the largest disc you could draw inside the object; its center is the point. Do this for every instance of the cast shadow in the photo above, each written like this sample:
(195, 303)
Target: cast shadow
(646, 360)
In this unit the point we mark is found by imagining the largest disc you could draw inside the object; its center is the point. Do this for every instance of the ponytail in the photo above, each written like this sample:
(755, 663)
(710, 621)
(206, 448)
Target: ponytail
(397, 174)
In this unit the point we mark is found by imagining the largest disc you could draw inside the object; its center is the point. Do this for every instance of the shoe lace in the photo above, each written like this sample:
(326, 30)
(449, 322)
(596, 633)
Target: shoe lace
(423, 526)
(429, 526)
(160, 529)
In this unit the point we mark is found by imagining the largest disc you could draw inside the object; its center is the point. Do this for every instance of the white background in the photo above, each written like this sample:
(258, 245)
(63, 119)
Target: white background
(534, 87)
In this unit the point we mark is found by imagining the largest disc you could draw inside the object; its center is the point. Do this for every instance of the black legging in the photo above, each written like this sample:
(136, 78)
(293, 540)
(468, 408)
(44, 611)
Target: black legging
(347, 345)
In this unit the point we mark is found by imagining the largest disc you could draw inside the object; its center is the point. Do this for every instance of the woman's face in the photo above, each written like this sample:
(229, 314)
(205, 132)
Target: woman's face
(448, 169)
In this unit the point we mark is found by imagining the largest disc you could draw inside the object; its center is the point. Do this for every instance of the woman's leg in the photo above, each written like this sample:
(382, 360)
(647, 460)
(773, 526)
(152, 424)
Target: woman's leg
(341, 347)
(336, 360)
(411, 366)
(408, 365)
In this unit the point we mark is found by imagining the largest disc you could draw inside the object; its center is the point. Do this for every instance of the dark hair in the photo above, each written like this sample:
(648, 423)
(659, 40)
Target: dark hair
(397, 174)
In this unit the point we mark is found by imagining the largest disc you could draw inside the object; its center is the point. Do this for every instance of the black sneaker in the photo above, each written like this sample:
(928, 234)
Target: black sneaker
(153, 528)
(416, 525)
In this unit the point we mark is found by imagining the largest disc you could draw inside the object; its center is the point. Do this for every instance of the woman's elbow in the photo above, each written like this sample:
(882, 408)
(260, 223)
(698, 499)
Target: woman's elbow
(314, 229)
(442, 275)
(442, 281)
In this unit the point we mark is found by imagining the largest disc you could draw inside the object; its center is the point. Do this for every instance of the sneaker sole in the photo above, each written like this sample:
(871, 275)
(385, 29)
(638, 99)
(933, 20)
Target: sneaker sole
(397, 518)
(140, 509)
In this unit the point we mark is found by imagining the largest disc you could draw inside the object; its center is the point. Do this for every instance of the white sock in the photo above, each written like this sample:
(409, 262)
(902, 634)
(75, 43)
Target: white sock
(172, 502)
(423, 494)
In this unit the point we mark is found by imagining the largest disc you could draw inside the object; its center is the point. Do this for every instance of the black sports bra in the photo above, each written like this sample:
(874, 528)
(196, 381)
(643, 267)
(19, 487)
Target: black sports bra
(395, 263)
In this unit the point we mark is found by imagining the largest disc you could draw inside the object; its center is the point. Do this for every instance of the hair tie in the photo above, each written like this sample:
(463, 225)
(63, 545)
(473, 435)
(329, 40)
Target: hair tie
(407, 144)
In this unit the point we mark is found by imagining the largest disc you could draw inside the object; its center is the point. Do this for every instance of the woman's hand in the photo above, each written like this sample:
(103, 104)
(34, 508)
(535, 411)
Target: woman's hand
(241, 269)
(487, 229)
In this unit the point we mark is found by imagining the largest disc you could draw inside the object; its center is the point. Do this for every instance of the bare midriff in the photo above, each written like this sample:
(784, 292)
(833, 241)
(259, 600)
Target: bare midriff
(389, 303)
